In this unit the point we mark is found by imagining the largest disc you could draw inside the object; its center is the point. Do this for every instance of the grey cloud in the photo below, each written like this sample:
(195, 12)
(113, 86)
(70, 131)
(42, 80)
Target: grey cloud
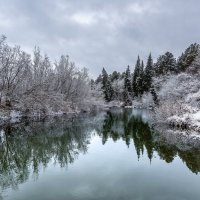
(101, 33)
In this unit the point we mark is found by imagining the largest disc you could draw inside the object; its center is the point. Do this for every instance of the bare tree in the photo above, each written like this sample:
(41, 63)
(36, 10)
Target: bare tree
(13, 63)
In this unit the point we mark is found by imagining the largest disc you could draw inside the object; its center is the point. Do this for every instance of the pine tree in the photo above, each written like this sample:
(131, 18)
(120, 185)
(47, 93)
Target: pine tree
(99, 79)
(127, 87)
(127, 80)
(104, 79)
(155, 96)
(165, 64)
(136, 74)
(114, 76)
(186, 59)
(106, 86)
(148, 74)
(127, 98)
(140, 81)
(92, 84)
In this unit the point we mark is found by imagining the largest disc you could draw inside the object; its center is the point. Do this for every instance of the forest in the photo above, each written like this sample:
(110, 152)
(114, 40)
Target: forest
(169, 86)
(33, 85)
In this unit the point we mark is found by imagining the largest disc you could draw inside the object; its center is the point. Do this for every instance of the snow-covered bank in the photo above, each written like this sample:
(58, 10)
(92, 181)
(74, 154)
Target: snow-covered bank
(16, 114)
(180, 101)
(186, 121)
(13, 116)
(181, 139)
(170, 87)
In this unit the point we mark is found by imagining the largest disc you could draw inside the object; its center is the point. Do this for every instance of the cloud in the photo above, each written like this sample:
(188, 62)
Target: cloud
(83, 18)
(101, 33)
(142, 8)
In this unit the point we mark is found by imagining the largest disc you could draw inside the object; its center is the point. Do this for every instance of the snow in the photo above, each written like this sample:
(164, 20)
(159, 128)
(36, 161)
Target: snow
(179, 97)
(190, 120)
(196, 116)
(15, 114)
(2, 136)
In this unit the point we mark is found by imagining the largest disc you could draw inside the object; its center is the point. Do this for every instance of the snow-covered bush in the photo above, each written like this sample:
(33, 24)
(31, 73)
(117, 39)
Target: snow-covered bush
(179, 99)
(35, 86)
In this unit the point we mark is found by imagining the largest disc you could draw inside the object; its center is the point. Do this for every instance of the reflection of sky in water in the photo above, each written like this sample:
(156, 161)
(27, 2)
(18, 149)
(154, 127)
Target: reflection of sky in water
(144, 114)
(112, 171)
(66, 159)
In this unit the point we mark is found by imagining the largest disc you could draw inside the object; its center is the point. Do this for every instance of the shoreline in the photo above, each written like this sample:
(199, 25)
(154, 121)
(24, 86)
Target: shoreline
(16, 117)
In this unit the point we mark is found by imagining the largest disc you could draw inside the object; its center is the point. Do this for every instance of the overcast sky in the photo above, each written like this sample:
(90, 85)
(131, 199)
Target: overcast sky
(101, 33)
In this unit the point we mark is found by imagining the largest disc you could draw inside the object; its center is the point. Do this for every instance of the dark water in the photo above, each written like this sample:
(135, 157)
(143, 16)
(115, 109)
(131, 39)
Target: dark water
(113, 155)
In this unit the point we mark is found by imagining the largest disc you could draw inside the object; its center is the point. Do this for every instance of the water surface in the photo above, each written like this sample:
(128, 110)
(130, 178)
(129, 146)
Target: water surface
(113, 155)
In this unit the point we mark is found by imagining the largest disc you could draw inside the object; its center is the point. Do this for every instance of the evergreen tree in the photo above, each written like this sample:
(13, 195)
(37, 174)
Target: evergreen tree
(140, 81)
(155, 96)
(114, 76)
(110, 92)
(99, 79)
(127, 87)
(127, 80)
(106, 86)
(136, 74)
(148, 74)
(92, 84)
(104, 79)
(186, 59)
(122, 75)
(127, 98)
(165, 64)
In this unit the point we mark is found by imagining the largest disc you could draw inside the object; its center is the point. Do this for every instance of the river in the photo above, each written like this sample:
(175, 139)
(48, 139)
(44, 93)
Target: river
(105, 155)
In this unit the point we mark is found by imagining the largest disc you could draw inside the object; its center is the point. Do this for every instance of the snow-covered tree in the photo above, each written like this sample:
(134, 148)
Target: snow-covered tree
(114, 76)
(186, 59)
(135, 77)
(165, 64)
(34, 85)
(127, 87)
(106, 86)
(127, 98)
(118, 89)
(140, 81)
(148, 74)
(13, 64)
(127, 80)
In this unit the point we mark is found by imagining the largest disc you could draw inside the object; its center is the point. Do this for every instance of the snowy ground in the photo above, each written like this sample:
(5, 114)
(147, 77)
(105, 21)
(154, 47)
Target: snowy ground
(187, 120)
(17, 112)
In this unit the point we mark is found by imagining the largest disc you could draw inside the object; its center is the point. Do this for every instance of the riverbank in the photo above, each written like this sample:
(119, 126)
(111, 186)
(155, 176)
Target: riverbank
(15, 115)
(182, 113)
(178, 127)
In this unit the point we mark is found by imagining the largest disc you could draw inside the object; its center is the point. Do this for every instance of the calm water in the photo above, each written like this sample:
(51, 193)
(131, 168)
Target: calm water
(113, 155)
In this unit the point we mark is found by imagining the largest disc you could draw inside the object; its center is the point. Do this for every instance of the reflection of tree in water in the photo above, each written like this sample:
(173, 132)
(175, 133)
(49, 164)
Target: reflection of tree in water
(124, 125)
(191, 159)
(28, 147)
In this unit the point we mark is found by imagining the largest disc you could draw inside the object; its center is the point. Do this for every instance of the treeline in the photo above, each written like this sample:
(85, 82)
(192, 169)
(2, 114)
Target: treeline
(128, 85)
(35, 84)
(122, 125)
